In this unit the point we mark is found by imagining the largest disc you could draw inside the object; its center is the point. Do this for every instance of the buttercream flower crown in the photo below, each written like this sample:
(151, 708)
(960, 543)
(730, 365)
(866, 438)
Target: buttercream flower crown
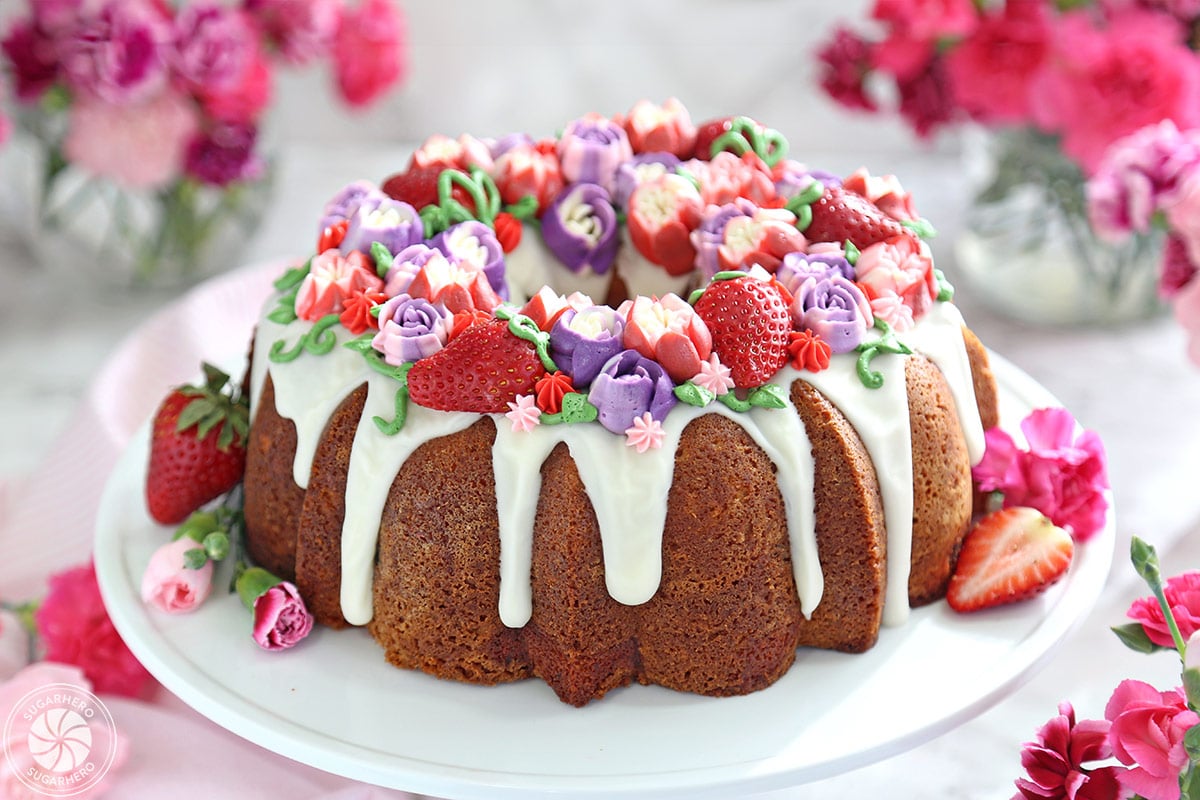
(796, 266)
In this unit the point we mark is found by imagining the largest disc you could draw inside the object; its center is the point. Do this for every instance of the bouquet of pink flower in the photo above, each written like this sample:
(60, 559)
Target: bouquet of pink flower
(169, 97)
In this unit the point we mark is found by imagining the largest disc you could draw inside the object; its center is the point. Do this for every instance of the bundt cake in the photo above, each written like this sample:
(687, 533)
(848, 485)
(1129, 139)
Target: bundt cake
(757, 436)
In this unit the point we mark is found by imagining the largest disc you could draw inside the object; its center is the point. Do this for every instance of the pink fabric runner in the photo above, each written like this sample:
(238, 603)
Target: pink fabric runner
(46, 522)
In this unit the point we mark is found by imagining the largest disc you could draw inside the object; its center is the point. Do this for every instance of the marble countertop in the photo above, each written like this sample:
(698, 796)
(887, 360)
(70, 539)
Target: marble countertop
(1132, 384)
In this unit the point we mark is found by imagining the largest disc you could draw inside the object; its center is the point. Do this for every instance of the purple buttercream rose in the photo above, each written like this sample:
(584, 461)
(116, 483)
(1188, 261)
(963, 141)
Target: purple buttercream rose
(405, 266)
(580, 227)
(710, 235)
(792, 178)
(474, 243)
(796, 268)
(582, 341)
(223, 155)
(410, 328)
(342, 205)
(835, 309)
(214, 45)
(378, 218)
(498, 147)
(117, 53)
(591, 148)
(629, 385)
(640, 169)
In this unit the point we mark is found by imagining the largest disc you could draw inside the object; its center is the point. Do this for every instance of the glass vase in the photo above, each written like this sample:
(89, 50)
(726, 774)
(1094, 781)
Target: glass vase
(93, 230)
(1027, 249)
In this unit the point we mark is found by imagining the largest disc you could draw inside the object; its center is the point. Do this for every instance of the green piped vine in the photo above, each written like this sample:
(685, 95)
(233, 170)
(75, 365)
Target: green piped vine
(886, 343)
(747, 136)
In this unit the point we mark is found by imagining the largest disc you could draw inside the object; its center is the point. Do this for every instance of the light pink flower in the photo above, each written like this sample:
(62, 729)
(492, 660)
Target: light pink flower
(214, 46)
(303, 30)
(117, 53)
(75, 629)
(167, 583)
(660, 129)
(1055, 762)
(714, 376)
(726, 177)
(368, 51)
(669, 331)
(281, 620)
(14, 645)
(1147, 733)
(990, 71)
(524, 413)
(891, 308)
(139, 146)
(1186, 307)
(456, 285)
(1183, 596)
(331, 279)
(1061, 474)
(1104, 83)
(646, 433)
(19, 760)
(898, 265)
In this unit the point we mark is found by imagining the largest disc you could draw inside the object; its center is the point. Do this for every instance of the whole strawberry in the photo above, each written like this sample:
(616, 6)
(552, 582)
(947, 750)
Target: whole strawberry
(418, 187)
(481, 370)
(749, 322)
(839, 215)
(197, 447)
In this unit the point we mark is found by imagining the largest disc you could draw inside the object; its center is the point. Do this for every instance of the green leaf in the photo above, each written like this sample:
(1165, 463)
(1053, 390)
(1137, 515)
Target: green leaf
(694, 395)
(1133, 636)
(216, 545)
(734, 402)
(767, 396)
(1191, 686)
(283, 315)
(921, 227)
(194, 412)
(852, 252)
(361, 344)
(382, 257)
(214, 379)
(575, 408)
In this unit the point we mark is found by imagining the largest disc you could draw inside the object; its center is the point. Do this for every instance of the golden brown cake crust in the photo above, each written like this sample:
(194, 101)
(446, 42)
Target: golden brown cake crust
(273, 500)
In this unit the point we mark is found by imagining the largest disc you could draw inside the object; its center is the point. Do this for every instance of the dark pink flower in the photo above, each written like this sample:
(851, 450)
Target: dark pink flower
(214, 46)
(223, 155)
(33, 56)
(1061, 474)
(928, 20)
(846, 60)
(303, 30)
(75, 629)
(1054, 763)
(1177, 269)
(118, 53)
(1103, 83)
(1183, 596)
(368, 51)
(925, 99)
(281, 620)
(246, 99)
(1147, 733)
(991, 70)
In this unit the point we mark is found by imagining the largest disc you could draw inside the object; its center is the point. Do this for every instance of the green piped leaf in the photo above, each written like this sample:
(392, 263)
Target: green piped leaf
(285, 312)
(767, 396)
(694, 395)
(746, 135)
(524, 209)
(382, 257)
(575, 408)
(921, 227)
(852, 252)
(945, 288)
(293, 277)
(734, 402)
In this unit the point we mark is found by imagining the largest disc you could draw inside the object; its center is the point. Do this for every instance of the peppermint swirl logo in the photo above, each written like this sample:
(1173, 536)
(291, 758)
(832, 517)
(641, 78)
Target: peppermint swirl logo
(59, 740)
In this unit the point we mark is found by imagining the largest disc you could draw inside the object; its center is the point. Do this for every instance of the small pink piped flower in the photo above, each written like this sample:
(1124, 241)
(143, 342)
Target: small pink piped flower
(525, 415)
(646, 433)
(714, 376)
(890, 308)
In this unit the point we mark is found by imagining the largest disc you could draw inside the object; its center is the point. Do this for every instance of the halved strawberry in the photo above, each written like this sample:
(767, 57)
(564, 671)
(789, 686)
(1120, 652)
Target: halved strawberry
(838, 215)
(749, 322)
(1010, 555)
(482, 369)
(197, 447)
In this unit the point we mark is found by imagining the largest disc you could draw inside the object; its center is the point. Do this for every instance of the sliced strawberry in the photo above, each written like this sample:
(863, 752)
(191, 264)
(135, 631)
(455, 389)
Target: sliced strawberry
(1010, 555)
(197, 447)
(482, 369)
(749, 322)
(839, 215)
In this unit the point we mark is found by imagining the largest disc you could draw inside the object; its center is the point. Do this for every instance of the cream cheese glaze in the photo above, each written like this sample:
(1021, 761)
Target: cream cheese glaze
(628, 490)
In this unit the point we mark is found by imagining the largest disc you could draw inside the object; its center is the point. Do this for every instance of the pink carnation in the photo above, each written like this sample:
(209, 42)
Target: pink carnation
(991, 70)
(214, 46)
(368, 52)
(845, 61)
(117, 52)
(1148, 727)
(1183, 596)
(281, 619)
(1102, 84)
(1178, 269)
(303, 30)
(915, 27)
(1061, 474)
(1183, 213)
(139, 146)
(245, 100)
(1055, 762)
(75, 629)
(32, 57)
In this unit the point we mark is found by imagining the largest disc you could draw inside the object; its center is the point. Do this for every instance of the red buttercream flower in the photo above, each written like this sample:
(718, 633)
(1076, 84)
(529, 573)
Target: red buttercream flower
(525, 171)
(669, 331)
(808, 351)
(662, 215)
(332, 236)
(356, 314)
(550, 390)
(508, 231)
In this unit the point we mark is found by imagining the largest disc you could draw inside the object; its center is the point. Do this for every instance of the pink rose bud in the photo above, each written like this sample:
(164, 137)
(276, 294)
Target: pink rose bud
(169, 585)
(281, 620)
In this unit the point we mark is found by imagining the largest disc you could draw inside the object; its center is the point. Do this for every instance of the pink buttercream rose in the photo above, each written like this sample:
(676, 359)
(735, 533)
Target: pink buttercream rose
(14, 645)
(368, 51)
(900, 266)
(331, 279)
(1183, 596)
(1186, 307)
(19, 760)
(167, 583)
(281, 619)
(1102, 84)
(139, 146)
(891, 308)
(75, 629)
(990, 71)
(1148, 727)
(1062, 474)
(669, 331)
